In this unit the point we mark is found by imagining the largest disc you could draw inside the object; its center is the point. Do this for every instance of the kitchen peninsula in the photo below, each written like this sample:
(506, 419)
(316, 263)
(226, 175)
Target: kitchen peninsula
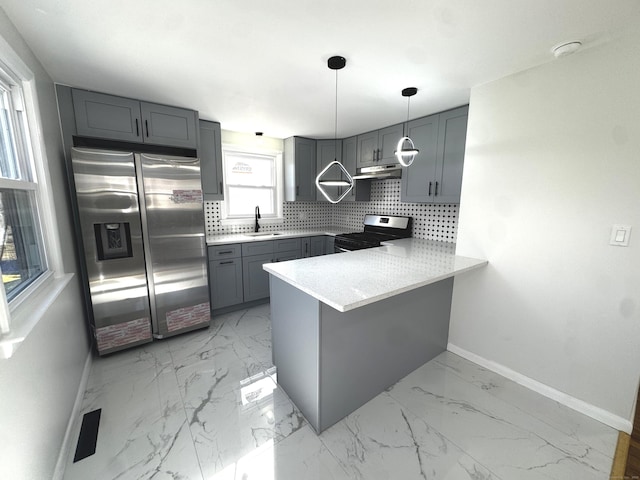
(347, 326)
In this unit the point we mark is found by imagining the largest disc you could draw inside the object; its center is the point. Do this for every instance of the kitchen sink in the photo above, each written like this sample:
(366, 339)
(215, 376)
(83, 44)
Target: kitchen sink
(262, 234)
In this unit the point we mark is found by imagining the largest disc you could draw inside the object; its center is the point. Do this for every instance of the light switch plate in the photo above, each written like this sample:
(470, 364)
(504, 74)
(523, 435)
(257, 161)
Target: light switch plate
(620, 235)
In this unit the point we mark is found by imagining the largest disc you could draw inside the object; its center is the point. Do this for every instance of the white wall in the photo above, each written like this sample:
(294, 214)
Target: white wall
(40, 382)
(552, 162)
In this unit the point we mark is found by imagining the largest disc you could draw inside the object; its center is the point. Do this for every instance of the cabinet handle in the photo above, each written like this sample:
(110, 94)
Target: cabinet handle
(436, 194)
(430, 183)
(225, 252)
(220, 191)
(137, 129)
(146, 124)
(226, 263)
(297, 190)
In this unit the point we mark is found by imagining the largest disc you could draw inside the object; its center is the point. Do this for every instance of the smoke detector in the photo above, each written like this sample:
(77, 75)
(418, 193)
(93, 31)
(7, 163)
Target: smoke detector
(566, 49)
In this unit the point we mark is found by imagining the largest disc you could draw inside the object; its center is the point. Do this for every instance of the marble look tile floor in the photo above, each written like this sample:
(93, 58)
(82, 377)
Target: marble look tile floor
(206, 406)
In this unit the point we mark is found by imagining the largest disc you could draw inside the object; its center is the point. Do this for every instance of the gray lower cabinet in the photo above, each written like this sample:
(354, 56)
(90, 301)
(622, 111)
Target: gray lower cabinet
(436, 174)
(225, 275)
(225, 282)
(255, 279)
(235, 270)
(329, 244)
(313, 246)
(299, 169)
(287, 249)
(126, 119)
(210, 154)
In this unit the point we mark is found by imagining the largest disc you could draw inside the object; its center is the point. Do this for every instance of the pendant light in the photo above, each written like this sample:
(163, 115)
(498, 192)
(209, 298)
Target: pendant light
(336, 168)
(406, 151)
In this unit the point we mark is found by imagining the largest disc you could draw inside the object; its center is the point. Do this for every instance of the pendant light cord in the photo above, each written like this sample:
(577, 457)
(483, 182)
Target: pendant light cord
(335, 133)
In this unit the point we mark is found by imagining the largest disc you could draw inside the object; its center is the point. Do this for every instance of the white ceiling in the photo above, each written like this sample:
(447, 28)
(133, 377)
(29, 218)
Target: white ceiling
(258, 65)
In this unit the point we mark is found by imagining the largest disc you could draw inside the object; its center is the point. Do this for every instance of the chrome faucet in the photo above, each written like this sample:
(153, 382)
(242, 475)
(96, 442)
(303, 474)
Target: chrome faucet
(257, 226)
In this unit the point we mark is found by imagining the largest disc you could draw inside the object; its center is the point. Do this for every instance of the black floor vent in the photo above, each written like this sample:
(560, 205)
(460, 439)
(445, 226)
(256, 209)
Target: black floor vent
(88, 435)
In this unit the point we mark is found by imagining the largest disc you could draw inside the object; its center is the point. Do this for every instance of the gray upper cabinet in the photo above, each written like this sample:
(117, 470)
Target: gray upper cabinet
(210, 153)
(388, 139)
(164, 125)
(367, 149)
(325, 154)
(299, 169)
(452, 138)
(378, 148)
(436, 174)
(125, 119)
(361, 190)
(106, 116)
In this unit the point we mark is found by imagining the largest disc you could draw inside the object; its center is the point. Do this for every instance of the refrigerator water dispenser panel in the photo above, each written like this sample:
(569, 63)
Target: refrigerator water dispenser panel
(113, 240)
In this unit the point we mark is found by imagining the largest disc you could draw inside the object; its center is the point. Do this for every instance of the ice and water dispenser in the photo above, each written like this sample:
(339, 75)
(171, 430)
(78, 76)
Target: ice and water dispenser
(113, 240)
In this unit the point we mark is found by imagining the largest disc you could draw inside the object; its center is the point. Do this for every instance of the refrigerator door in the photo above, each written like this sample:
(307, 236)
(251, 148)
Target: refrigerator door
(106, 193)
(173, 223)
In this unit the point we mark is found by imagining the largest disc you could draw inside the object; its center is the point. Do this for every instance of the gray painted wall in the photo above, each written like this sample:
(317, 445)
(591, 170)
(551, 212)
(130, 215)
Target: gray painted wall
(40, 382)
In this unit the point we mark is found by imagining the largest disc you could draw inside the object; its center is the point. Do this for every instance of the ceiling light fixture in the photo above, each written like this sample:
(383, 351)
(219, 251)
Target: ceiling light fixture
(406, 151)
(342, 177)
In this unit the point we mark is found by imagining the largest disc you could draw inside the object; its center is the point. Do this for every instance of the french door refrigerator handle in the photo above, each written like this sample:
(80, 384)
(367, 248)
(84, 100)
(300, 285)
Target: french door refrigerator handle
(147, 246)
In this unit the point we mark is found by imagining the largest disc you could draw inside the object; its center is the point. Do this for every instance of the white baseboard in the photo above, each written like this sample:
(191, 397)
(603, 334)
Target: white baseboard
(597, 413)
(61, 464)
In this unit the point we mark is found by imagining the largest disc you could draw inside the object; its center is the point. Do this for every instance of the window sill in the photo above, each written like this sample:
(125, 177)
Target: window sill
(26, 316)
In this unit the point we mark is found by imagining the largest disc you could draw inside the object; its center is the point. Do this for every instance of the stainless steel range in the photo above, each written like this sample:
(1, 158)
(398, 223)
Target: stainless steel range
(377, 229)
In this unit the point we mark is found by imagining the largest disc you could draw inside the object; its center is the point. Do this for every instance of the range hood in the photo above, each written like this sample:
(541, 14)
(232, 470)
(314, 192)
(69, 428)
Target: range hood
(379, 172)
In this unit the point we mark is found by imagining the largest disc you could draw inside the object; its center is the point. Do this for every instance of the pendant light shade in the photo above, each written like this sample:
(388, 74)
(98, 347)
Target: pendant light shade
(406, 151)
(334, 181)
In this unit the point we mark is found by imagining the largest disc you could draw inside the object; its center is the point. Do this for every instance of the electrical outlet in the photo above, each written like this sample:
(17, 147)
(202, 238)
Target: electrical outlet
(620, 235)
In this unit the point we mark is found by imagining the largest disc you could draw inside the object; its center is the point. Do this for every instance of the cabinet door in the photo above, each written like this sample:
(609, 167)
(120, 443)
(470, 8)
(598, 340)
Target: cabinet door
(285, 256)
(225, 282)
(367, 149)
(349, 159)
(326, 152)
(287, 245)
(316, 246)
(329, 244)
(452, 137)
(255, 279)
(299, 169)
(306, 247)
(106, 116)
(210, 153)
(418, 180)
(164, 125)
(388, 139)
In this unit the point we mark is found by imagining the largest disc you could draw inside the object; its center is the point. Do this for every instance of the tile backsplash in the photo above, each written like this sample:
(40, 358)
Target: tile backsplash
(433, 222)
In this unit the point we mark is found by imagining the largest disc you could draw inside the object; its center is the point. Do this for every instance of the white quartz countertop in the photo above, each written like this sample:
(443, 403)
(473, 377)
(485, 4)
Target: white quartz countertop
(247, 237)
(350, 280)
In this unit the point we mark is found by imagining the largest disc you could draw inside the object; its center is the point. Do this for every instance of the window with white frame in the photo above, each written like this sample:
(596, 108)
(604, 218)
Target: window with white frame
(23, 259)
(252, 179)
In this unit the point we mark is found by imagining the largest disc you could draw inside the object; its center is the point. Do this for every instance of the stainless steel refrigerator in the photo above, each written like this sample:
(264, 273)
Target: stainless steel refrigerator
(142, 223)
